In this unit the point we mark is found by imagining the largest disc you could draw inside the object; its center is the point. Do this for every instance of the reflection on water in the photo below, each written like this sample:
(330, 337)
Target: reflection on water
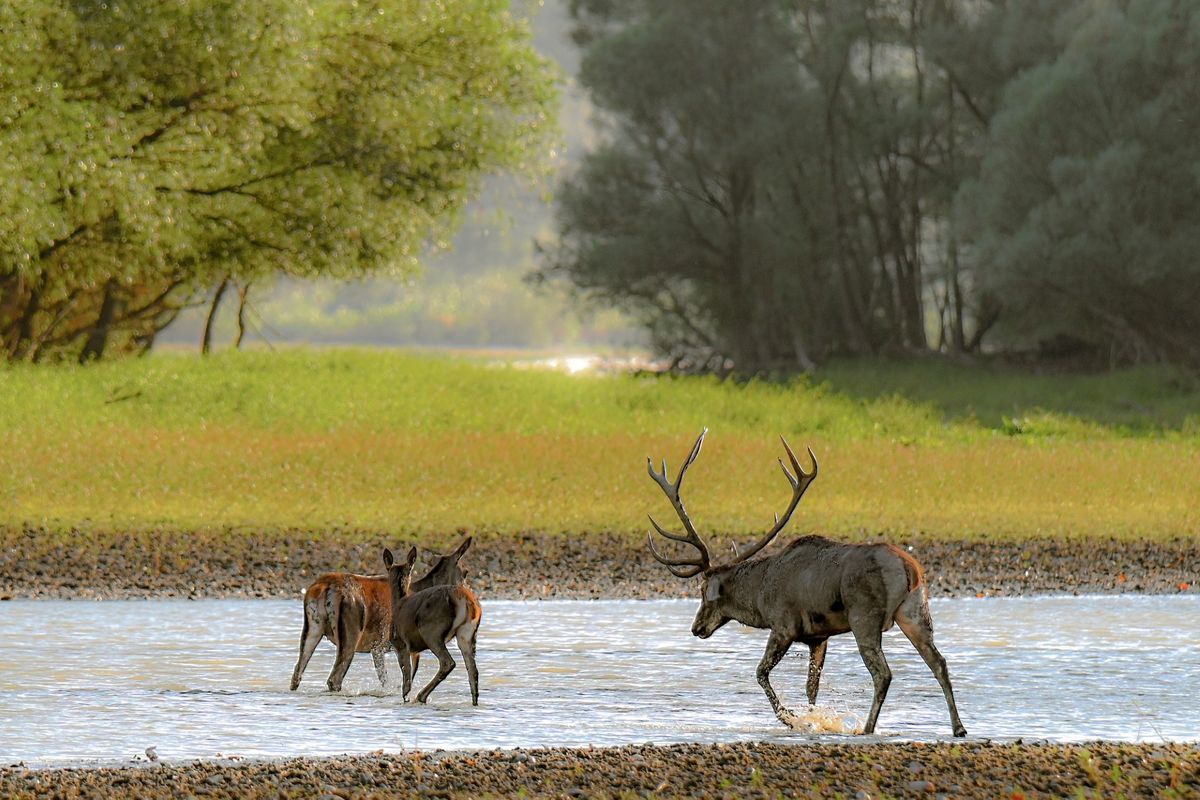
(102, 681)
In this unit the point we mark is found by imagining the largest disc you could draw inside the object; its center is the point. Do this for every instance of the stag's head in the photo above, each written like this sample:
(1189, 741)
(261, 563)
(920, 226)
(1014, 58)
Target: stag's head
(399, 572)
(716, 606)
(447, 571)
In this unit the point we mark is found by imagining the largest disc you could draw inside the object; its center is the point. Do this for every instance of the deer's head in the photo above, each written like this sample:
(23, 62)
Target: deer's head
(399, 572)
(446, 571)
(716, 605)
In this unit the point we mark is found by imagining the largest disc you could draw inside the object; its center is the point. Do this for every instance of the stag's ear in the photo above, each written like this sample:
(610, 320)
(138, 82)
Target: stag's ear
(388, 558)
(462, 548)
(412, 556)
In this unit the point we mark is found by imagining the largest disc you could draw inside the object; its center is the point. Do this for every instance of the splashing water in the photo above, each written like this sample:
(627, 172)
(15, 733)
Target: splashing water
(814, 719)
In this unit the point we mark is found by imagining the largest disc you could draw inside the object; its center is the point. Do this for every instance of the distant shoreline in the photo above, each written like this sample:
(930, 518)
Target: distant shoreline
(538, 566)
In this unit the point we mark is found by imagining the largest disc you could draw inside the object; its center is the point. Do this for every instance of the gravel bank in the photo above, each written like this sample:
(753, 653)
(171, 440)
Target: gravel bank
(280, 564)
(744, 770)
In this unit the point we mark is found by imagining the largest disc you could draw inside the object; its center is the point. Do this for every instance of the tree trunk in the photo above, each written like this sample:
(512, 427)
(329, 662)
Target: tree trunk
(97, 337)
(206, 340)
(24, 338)
(243, 295)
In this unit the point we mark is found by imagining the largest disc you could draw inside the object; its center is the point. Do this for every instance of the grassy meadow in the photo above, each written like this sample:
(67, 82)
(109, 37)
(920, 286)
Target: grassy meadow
(336, 441)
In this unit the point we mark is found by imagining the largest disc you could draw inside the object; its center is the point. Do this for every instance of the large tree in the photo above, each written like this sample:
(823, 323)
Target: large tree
(775, 183)
(782, 180)
(1086, 209)
(154, 150)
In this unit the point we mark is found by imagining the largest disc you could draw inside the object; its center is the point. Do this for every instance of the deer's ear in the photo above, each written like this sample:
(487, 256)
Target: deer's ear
(412, 555)
(388, 559)
(462, 548)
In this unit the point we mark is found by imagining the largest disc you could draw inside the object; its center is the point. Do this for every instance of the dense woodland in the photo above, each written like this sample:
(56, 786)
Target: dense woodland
(787, 180)
(772, 182)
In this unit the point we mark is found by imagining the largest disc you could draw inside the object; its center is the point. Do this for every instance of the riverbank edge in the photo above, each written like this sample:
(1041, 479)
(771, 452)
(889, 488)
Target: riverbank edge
(812, 769)
(35, 563)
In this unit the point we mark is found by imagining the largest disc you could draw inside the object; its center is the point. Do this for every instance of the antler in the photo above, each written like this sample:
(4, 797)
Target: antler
(799, 482)
(679, 567)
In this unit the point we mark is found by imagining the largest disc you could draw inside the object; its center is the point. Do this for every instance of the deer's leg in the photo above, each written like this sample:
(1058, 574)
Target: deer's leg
(868, 633)
(310, 637)
(406, 667)
(416, 659)
(466, 646)
(445, 665)
(914, 619)
(377, 654)
(816, 663)
(348, 628)
(777, 647)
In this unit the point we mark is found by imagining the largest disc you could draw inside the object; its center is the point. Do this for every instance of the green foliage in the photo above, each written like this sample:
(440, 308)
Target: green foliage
(166, 147)
(776, 183)
(1085, 206)
(798, 180)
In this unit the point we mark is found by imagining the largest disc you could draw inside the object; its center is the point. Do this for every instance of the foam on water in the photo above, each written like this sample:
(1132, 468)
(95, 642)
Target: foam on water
(102, 681)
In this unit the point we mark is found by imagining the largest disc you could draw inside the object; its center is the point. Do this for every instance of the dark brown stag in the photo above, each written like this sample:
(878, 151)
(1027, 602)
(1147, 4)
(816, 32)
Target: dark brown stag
(355, 613)
(813, 589)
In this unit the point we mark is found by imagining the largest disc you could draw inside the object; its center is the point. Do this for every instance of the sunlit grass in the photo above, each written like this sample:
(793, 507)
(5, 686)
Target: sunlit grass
(387, 441)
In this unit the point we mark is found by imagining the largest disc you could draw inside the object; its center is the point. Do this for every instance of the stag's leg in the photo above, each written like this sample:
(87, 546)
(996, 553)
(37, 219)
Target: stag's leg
(777, 647)
(310, 637)
(445, 665)
(348, 627)
(466, 646)
(868, 633)
(914, 619)
(380, 666)
(816, 662)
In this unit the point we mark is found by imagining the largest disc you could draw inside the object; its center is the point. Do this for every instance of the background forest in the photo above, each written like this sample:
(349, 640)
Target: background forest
(757, 186)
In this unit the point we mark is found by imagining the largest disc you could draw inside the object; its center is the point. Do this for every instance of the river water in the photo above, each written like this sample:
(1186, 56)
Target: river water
(99, 682)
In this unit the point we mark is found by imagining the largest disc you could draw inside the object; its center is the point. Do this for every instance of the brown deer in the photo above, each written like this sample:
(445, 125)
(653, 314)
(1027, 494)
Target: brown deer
(355, 613)
(427, 620)
(812, 589)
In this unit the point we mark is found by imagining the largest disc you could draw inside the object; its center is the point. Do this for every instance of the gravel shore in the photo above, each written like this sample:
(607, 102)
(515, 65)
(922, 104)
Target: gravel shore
(280, 564)
(969, 769)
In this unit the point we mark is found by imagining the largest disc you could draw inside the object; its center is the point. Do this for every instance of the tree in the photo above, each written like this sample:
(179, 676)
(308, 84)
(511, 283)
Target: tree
(1085, 208)
(160, 149)
(776, 181)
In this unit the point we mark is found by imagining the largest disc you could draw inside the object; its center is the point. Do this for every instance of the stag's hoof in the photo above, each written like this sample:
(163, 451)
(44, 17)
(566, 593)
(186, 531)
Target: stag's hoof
(295, 685)
(959, 730)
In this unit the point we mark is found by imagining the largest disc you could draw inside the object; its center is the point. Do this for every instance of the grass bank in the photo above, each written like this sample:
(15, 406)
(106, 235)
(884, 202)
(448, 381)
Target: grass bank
(358, 440)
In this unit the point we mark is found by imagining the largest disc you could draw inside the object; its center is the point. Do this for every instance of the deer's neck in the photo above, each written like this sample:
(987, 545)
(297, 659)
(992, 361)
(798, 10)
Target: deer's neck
(743, 594)
(400, 593)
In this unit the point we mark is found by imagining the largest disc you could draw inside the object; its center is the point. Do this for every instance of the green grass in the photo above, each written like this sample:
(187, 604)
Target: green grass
(361, 439)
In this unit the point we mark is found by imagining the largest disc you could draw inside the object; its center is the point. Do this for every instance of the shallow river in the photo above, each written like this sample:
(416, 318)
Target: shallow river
(101, 681)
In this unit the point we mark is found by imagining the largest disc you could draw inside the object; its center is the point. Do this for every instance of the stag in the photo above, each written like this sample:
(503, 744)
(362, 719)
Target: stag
(812, 589)
(428, 620)
(355, 613)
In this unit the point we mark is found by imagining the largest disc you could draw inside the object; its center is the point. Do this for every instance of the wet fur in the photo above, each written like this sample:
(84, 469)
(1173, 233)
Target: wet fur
(816, 588)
